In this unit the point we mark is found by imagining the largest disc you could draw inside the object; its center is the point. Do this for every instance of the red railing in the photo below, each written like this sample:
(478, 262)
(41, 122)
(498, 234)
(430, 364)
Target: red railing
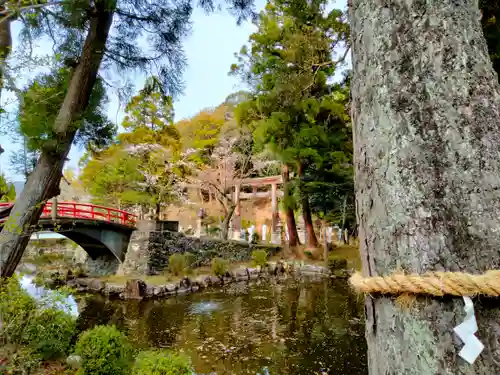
(86, 211)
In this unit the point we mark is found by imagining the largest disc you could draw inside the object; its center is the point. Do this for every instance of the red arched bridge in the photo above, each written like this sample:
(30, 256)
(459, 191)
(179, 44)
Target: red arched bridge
(103, 232)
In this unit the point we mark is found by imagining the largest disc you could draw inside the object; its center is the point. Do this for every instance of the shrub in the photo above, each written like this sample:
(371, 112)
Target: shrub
(219, 266)
(190, 259)
(178, 264)
(104, 351)
(49, 332)
(23, 361)
(79, 271)
(255, 238)
(259, 258)
(162, 363)
(43, 327)
(336, 263)
(16, 308)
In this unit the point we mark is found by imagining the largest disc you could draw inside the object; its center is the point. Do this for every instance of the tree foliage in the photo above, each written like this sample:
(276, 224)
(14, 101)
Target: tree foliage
(201, 132)
(143, 167)
(149, 117)
(491, 30)
(40, 106)
(296, 112)
(7, 190)
(112, 178)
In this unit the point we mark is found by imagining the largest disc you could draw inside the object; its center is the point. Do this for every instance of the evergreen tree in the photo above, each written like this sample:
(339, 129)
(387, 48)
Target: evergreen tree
(288, 66)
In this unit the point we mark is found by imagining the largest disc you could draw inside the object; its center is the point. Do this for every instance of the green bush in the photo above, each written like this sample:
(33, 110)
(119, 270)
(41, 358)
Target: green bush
(43, 327)
(213, 231)
(16, 307)
(49, 332)
(219, 266)
(162, 363)
(336, 263)
(190, 259)
(104, 351)
(255, 238)
(79, 271)
(179, 264)
(259, 258)
(23, 361)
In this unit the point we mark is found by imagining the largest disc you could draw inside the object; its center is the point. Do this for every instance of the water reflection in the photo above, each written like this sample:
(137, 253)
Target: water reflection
(292, 327)
(69, 304)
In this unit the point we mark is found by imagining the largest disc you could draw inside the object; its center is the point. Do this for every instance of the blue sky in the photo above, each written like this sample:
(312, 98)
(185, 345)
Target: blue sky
(210, 51)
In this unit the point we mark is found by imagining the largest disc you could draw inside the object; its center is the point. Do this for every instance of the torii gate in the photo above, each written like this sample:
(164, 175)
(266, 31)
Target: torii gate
(256, 182)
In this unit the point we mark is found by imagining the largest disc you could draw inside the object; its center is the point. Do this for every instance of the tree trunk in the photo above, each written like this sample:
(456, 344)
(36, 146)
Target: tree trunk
(226, 221)
(293, 235)
(44, 181)
(325, 241)
(157, 211)
(426, 115)
(312, 240)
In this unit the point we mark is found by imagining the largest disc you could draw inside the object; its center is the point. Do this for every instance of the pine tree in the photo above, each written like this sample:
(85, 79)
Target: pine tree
(288, 66)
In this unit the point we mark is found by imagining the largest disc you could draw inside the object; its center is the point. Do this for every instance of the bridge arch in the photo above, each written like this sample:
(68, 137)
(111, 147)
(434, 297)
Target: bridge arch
(104, 233)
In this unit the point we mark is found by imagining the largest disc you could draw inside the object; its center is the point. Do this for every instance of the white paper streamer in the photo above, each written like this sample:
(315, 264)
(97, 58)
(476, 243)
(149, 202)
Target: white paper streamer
(466, 330)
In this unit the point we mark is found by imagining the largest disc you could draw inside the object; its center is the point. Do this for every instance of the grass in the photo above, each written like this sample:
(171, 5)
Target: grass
(162, 279)
(351, 253)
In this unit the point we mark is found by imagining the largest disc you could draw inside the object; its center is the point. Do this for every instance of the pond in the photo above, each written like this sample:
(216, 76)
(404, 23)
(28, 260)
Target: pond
(293, 327)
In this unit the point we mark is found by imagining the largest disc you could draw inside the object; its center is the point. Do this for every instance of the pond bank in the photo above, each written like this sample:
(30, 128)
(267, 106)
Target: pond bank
(136, 288)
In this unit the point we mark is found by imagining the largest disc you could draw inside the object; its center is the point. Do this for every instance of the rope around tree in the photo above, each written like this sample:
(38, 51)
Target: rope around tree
(433, 283)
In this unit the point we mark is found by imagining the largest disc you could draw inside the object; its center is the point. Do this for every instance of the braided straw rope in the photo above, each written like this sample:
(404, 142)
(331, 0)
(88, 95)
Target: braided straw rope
(433, 283)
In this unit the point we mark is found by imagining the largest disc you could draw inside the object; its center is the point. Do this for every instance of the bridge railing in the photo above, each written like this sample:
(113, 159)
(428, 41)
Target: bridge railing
(87, 211)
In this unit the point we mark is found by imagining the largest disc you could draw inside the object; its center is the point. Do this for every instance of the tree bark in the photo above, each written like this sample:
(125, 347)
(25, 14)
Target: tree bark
(226, 221)
(157, 211)
(426, 115)
(325, 242)
(44, 181)
(312, 240)
(293, 235)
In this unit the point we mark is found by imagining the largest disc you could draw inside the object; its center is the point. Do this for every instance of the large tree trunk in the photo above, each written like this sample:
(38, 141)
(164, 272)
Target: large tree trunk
(426, 117)
(293, 235)
(226, 222)
(312, 240)
(157, 211)
(43, 183)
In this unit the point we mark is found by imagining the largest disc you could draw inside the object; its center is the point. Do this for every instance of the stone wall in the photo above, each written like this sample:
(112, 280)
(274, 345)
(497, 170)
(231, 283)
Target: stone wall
(148, 253)
(106, 264)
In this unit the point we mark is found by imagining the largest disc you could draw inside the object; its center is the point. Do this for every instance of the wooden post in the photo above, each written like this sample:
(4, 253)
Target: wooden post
(237, 213)
(275, 220)
(54, 209)
(274, 204)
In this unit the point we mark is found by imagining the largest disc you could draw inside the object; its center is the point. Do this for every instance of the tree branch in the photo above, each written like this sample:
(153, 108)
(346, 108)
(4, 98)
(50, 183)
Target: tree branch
(327, 63)
(9, 13)
(334, 62)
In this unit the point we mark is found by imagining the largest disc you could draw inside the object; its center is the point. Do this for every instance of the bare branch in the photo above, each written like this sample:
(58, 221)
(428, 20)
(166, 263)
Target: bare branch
(327, 63)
